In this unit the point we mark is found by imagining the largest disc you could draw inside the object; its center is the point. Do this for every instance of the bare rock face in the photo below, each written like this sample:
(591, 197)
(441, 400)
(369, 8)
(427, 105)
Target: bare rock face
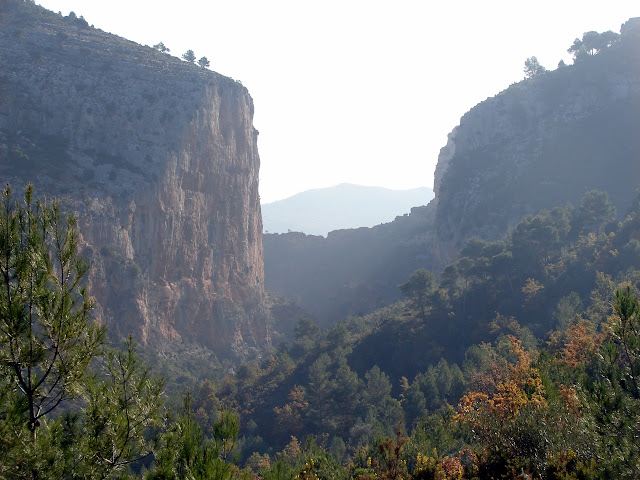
(542, 143)
(158, 158)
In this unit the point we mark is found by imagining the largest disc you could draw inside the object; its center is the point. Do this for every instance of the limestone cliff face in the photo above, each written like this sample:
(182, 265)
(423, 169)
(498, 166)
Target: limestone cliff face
(159, 160)
(541, 143)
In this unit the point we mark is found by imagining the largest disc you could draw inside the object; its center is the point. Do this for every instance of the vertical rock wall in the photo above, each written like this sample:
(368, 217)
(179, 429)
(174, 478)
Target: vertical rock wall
(159, 160)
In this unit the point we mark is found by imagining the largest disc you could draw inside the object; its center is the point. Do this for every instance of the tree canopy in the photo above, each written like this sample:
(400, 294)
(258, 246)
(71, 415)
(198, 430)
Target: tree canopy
(533, 68)
(420, 285)
(46, 334)
(592, 43)
(161, 47)
(189, 56)
(49, 353)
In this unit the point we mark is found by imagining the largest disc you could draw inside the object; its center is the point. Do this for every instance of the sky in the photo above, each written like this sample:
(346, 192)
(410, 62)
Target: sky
(358, 91)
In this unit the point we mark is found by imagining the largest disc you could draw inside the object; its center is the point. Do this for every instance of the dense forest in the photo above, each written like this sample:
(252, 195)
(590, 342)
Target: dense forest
(523, 360)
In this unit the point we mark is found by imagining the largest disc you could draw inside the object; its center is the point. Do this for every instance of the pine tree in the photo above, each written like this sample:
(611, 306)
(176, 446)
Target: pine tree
(46, 337)
(189, 56)
(48, 352)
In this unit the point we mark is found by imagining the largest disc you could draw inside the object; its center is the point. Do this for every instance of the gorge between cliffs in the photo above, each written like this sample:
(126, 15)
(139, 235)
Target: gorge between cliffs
(492, 333)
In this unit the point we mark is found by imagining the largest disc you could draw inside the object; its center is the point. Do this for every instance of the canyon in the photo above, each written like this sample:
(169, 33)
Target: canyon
(158, 159)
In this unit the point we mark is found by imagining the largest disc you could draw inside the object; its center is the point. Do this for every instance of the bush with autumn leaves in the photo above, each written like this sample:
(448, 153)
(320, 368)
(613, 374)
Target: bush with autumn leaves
(525, 425)
(572, 415)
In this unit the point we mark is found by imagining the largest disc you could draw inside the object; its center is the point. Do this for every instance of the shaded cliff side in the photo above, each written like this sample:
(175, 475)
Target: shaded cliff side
(351, 271)
(541, 143)
(158, 158)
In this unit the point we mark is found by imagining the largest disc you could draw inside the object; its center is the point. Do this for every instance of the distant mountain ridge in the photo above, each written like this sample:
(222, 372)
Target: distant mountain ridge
(319, 211)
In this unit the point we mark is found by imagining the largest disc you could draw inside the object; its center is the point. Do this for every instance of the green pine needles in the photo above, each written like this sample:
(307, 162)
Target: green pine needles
(47, 338)
(69, 406)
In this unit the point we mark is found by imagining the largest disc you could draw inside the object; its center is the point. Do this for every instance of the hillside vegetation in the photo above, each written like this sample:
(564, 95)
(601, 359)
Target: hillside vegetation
(524, 359)
(520, 358)
(518, 336)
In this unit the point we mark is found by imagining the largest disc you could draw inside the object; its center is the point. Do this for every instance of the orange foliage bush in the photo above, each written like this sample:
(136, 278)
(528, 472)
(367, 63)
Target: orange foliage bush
(522, 387)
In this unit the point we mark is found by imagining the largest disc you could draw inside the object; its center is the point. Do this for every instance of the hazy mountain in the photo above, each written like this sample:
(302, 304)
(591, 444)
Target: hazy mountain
(322, 210)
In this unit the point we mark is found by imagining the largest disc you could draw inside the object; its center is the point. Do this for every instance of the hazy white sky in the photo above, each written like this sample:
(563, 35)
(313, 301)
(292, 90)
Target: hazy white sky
(358, 91)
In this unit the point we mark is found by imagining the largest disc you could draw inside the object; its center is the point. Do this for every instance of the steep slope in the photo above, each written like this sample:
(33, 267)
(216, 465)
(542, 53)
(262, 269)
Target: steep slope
(158, 158)
(541, 143)
(351, 271)
(319, 211)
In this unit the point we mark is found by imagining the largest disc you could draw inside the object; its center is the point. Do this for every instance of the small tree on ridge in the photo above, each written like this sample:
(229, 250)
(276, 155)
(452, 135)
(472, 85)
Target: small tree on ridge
(533, 68)
(418, 289)
(189, 56)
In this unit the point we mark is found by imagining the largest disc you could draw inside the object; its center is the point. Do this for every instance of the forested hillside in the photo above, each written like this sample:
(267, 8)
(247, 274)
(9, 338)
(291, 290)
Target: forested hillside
(523, 359)
(535, 306)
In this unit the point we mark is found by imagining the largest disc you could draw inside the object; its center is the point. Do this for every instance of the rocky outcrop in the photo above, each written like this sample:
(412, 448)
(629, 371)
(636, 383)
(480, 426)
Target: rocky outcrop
(541, 143)
(158, 158)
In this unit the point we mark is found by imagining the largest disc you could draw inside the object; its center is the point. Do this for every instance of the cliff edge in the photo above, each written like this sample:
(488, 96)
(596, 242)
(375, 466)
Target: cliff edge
(158, 158)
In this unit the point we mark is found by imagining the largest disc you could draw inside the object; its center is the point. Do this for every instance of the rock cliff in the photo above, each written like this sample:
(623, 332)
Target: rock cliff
(158, 158)
(540, 143)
